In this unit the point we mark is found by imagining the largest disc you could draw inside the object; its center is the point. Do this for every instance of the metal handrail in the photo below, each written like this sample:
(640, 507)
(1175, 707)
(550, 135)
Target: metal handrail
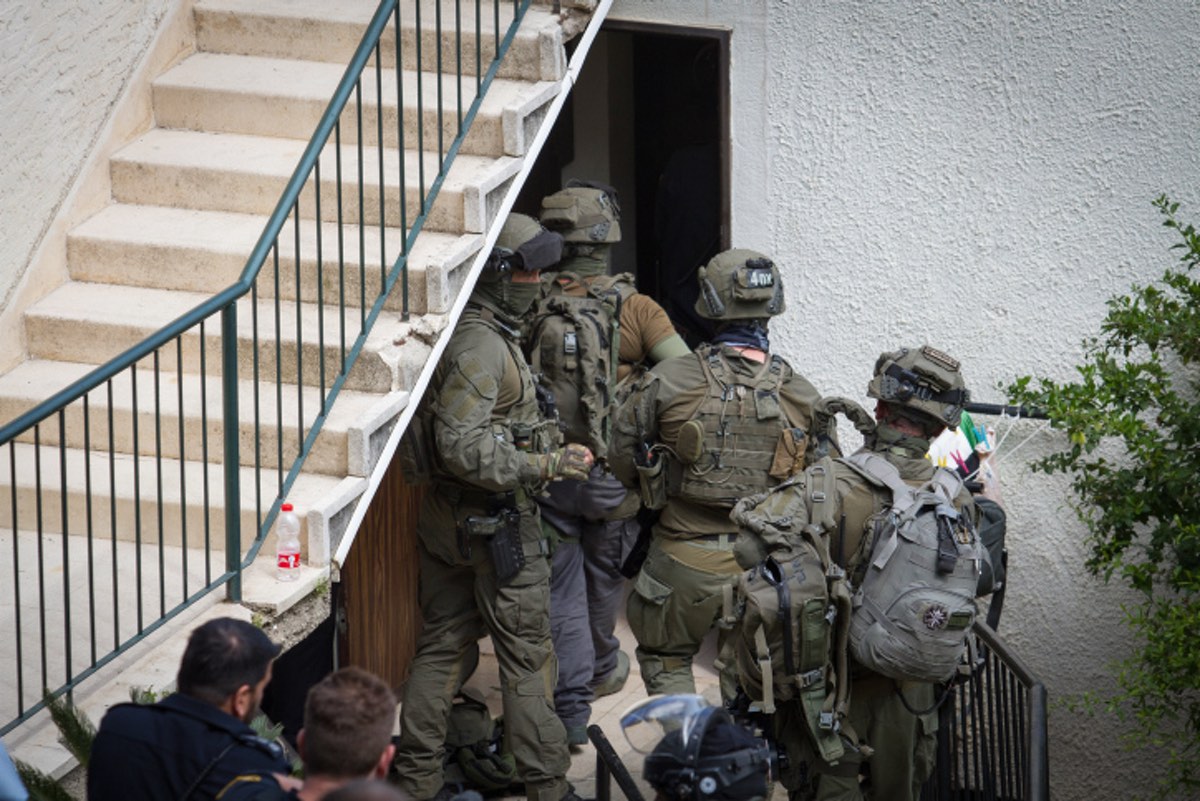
(169, 342)
(992, 735)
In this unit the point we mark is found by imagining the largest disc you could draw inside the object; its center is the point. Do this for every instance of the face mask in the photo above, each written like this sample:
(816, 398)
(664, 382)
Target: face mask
(515, 297)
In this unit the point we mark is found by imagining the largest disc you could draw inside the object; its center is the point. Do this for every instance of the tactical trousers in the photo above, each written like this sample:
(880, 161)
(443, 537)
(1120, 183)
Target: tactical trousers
(905, 745)
(605, 546)
(571, 634)
(460, 603)
(678, 597)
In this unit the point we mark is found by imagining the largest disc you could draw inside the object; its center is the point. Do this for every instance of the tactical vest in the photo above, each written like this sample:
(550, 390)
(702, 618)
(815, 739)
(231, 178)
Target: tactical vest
(573, 345)
(727, 451)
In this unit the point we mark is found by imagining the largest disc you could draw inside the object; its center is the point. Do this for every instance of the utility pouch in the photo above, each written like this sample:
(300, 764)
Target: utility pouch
(789, 454)
(508, 554)
(652, 483)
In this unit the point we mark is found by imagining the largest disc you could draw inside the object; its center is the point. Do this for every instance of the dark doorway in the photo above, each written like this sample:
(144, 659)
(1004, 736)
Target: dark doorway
(649, 115)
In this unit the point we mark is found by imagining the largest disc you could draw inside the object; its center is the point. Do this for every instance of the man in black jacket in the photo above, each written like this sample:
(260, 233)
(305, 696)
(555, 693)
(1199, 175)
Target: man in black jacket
(192, 743)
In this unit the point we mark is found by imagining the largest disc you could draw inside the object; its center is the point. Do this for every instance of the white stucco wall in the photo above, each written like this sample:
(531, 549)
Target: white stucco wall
(978, 176)
(62, 66)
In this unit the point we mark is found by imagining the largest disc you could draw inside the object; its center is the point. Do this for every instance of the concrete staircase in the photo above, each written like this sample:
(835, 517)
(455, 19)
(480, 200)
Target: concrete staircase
(112, 518)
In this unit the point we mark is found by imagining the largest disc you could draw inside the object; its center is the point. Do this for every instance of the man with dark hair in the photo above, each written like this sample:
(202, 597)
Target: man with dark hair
(347, 736)
(190, 744)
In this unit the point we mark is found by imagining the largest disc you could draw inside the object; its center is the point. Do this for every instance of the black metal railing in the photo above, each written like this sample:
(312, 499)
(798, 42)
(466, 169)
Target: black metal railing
(129, 491)
(992, 743)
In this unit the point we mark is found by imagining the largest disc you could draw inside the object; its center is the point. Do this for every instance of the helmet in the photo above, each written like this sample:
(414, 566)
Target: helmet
(924, 379)
(584, 212)
(703, 756)
(523, 245)
(739, 285)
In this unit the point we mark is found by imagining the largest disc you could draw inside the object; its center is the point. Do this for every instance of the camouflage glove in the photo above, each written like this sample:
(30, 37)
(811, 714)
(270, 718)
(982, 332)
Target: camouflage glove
(573, 462)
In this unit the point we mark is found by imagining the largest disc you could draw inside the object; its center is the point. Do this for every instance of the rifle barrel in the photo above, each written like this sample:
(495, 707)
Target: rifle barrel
(1006, 410)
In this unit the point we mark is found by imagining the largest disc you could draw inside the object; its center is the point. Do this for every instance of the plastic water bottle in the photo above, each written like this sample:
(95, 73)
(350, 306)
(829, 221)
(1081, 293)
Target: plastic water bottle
(287, 544)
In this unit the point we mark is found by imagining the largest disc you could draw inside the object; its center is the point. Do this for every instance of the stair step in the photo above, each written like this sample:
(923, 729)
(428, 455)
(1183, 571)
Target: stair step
(342, 448)
(130, 488)
(205, 251)
(283, 28)
(286, 98)
(247, 174)
(96, 322)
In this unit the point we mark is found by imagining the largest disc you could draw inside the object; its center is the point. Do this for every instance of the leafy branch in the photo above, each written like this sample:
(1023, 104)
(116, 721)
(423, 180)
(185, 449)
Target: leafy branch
(1138, 388)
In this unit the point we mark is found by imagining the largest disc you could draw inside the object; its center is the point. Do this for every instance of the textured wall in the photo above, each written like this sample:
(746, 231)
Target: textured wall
(978, 176)
(62, 66)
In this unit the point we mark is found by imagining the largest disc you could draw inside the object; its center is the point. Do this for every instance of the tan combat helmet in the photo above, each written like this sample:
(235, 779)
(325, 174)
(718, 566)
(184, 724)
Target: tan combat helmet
(584, 213)
(739, 285)
(523, 244)
(923, 379)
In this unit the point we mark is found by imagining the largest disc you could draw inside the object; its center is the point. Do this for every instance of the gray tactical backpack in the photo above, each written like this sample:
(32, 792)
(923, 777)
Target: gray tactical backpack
(915, 605)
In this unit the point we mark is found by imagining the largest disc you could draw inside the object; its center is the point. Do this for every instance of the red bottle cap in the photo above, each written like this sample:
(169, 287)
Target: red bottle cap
(287, 507)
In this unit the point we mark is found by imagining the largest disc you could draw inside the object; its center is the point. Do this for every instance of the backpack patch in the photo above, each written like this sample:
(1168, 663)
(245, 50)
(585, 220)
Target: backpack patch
(915, 606)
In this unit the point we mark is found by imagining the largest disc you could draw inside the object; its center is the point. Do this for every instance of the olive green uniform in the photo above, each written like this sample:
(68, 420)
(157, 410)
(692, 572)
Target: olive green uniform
(679, 594)
(904, 744)
(483, 392)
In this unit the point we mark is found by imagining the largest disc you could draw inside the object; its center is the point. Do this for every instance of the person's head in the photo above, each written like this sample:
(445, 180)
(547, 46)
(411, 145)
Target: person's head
(920, 390)
(509, 280)
(717, 760)
(347, 732)
(587, 214)
(740, 286)
(227, 663)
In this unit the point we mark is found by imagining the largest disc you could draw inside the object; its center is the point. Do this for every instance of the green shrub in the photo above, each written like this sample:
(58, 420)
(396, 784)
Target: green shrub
(1138, 388)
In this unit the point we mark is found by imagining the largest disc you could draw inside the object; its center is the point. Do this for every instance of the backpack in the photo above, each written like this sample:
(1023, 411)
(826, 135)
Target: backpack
(474, 745)
(915, 605)
(993, 525)
(792, 615)
(573, 347)
(416, 450)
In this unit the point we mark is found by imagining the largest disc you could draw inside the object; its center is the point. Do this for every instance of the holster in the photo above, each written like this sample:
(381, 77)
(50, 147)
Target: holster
(508, 553)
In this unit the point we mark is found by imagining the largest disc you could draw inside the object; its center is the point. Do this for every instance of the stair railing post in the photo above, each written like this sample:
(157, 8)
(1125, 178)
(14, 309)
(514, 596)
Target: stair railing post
(233, 491)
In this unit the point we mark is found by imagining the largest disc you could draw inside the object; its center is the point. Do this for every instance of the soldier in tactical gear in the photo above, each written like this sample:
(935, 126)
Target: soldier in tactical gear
(588, 331)
(920, 392)
(697, 433)
(483, 558)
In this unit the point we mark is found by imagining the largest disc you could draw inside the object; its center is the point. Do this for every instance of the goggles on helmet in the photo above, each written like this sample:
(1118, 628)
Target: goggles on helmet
(534, 255)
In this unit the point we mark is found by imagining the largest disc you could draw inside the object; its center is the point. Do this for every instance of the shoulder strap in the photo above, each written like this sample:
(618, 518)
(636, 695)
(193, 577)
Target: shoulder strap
(822, 492)
(886, 473)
